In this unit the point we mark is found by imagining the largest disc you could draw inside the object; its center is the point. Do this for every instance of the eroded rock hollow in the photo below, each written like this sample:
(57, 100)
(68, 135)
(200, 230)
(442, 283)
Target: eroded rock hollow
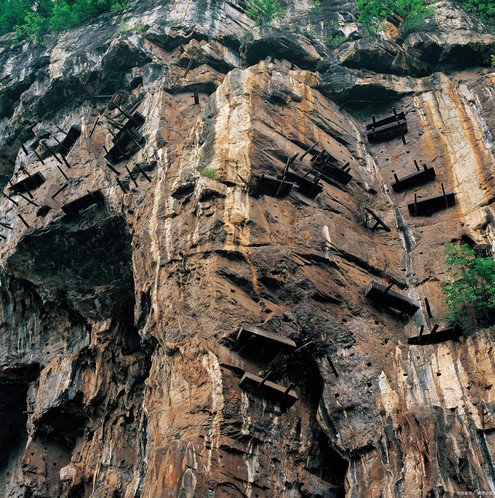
(192, 214)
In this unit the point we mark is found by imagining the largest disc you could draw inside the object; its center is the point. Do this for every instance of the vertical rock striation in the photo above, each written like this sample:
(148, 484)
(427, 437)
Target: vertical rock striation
(124, 284)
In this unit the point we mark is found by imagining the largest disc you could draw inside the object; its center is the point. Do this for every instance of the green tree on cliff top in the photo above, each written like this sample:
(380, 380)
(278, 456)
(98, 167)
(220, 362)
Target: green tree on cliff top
(33, 18)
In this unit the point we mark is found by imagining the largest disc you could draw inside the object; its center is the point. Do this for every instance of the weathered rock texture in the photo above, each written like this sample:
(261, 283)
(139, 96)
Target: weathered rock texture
(119, 365)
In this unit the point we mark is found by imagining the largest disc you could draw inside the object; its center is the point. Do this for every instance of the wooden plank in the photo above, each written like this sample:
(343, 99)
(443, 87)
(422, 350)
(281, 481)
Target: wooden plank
(331, 173)
(447, 334)
(386, 121)
(267, 389)
(414, 180)
(72, 208)
(388, 131)
(260, 336)
(307, 187)
(390, 298)
(386, 128)
(135, 121)
(429, 205)
(30, 183)
(70, 139)
(268, 185)
(123, 146)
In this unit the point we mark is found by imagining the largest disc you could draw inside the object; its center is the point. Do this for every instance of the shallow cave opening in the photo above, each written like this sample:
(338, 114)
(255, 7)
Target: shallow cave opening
(328, 465)
(14, 386)
(323, 461)
(13, 418)
(64, 424)
(466, 239)
(458, 56)
(127, 339)
(56, 436)
(94, 262)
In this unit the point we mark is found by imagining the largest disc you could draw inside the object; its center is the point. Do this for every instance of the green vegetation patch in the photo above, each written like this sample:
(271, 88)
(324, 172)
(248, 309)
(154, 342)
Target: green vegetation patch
(470, 291)
(483, 9)
(209, 173)
(33, 19)
(372, 12)
(264, 12)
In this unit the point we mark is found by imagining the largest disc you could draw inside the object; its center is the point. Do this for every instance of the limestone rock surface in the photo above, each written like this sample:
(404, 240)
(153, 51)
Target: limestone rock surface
(124, 283)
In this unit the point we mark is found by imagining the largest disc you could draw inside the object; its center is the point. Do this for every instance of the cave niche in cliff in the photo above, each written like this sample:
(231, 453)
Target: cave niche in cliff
(13, 419)
(323, 460)
(89, 260)
(14, 385)
(63, 424)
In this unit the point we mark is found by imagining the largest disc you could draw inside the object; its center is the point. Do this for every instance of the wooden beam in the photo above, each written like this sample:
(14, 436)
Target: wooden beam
(383, 295)
(421, 330)
(61, 189)
(10, 199)
(23, 220)
(27, 199)
(143, 173)
(62, 171)
(379, 221)
(311, 148)
(50, 150)
(428, 309)
(110, 167)
(120, 184)
(132, 177)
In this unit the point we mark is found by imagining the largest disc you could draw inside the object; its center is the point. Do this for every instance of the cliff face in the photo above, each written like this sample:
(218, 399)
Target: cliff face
(119, 358)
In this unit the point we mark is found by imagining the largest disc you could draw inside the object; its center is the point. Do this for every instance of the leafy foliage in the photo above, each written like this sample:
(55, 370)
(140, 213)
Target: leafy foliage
(363, 201)
(209, 173)
(335, 41)
(264, 12)
(316, 6)
(12, 12)
(484, 9)
(34, 18)
(470, 293)
(372, 12)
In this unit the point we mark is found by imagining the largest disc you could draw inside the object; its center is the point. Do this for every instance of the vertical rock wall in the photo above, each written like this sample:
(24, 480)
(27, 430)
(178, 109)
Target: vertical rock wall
(119, 359)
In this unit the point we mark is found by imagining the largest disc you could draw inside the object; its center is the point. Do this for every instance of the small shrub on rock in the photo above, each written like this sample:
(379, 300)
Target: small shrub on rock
(264, 12)
(372, 12)
(209, 173)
